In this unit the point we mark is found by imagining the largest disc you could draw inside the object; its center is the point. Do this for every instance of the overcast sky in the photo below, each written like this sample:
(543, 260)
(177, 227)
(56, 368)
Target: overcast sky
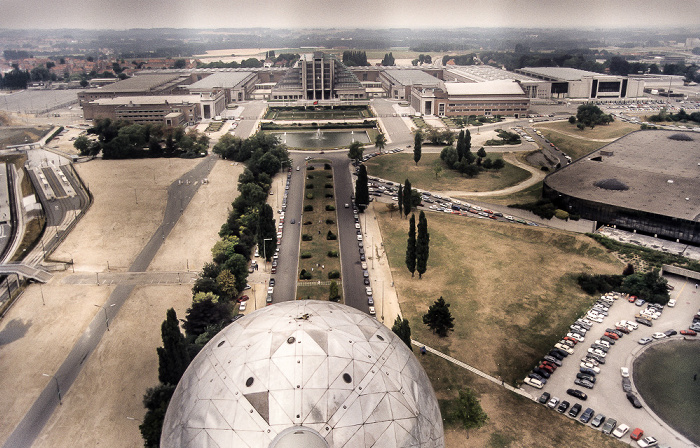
(122, 14)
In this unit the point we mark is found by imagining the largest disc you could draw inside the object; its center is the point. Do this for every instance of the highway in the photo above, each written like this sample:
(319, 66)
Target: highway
(180, 193)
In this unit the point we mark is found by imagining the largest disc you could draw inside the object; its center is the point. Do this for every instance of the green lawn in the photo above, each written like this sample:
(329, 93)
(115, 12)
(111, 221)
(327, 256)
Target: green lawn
(398, 167)
(314, 224)
(512, 293)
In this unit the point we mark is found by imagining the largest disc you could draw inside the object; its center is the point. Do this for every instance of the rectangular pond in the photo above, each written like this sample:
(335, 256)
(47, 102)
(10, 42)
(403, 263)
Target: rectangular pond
(321, 139)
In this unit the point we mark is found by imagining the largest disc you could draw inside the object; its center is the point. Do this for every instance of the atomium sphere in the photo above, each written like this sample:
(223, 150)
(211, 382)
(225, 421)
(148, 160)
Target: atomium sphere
(306, 374)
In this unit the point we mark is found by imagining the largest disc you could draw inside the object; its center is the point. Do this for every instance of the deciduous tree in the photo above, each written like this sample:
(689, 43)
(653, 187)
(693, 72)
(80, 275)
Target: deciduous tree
(380, 142)
(467, 411)
(355, 151)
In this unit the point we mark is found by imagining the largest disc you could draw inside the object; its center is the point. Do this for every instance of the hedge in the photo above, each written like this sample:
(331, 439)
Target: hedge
(333, 274)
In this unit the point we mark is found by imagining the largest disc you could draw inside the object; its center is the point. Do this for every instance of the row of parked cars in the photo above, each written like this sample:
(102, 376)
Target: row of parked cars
(363, 259)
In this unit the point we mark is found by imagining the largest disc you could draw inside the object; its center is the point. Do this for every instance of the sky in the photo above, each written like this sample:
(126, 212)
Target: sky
(124, 14)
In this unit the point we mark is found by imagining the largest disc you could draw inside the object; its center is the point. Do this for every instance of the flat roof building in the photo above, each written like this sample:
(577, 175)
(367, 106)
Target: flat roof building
(646, 181)
(580, 84)
(398, 82)
(144, 83)
(533, 87)
(237, 86)
(171, 110)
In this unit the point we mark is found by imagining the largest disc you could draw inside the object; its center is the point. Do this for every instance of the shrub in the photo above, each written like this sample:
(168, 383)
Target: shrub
(330, 208)
(331, 236)
(306, 237)
(329, 185)
(305, 255)
(310, 176)
(308, 208)
(311, 168)
(330, 221)
(309, 195)
(308, 223)
(326, 166)
(329, 176)
(333, 274)
(329, 196)
(333, 253)
(304, 275)
(544, 168)
(309, 186)
(561, 214)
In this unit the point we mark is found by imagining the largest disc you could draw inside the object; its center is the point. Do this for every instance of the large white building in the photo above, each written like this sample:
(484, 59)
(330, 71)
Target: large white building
(584, 85)
(306, 374)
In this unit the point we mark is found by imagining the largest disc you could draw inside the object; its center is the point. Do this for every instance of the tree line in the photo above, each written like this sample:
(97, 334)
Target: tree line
(355, 58)
(121, 139)
(462, 159)
(221, 281)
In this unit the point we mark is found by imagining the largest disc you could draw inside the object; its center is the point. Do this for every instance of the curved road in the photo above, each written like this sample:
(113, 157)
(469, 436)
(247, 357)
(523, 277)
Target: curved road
(180, 193)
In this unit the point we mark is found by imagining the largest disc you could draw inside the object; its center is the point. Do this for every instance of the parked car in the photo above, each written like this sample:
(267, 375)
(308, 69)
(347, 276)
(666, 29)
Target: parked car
(553, 360)
(625, 372)
(626, 385)
(658, 335)
(670, 333)
(544, 398)
(620, 431)
(637, 434)
(564, 348)
(647, 442)
(583, 383)
(640, 302)
(634, 400)
(584, 369)
(672, 303)
(643, 321)
(588, 365)
(689, 333)
(541, 372)
(586, 376)
(574, 411)
(533, 382)
(586, 416)
(598, 420)
(577, 393)
(609, 426)
(563, 406)
(553, 402)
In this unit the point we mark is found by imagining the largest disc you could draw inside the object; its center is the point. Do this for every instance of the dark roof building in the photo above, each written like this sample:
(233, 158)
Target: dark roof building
(646, 181)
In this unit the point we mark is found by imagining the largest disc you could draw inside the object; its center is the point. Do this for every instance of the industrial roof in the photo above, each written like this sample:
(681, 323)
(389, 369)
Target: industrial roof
(481, 73)
(304, 373)
(148, 99)
(140, 83)
(225, 80)
(500, 87)
(409, 77)
(661, 174)
(560, 73)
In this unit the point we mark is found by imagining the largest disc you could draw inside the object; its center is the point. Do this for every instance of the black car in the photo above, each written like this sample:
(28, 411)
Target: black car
(563, 406)
(634, 400)
(583, 383)
(614, 331)
(574, 411)
(541, 372)
(596, 358)
(537, 377)
(586, 416)
(670, 333)
(639, 320)
(602, 348)
(553, 360)
(577, 393)
(366, 280)
(608, 339)
(544, 398)
(626, 385)
(561, 352)
(555, 354)
(272, 282)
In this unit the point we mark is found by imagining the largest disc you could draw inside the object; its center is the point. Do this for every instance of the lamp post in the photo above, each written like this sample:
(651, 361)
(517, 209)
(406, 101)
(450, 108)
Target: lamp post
(265, 251)
(58, 389)
(105, 310)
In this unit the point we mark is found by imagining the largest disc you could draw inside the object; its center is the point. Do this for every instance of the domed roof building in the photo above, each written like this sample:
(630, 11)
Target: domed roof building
(304, 374)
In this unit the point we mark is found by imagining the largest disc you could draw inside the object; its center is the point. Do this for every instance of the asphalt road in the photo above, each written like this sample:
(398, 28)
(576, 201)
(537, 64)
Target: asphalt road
(179, 195)
(607, 397)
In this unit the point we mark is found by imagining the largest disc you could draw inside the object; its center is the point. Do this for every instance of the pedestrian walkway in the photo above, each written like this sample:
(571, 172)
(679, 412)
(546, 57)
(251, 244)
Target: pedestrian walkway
(130, 278)
(474, 370)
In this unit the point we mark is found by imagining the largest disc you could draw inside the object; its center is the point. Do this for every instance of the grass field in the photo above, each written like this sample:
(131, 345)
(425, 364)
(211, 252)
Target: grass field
(512, 294)
(314, 223)
(576, 143)
(399, 167)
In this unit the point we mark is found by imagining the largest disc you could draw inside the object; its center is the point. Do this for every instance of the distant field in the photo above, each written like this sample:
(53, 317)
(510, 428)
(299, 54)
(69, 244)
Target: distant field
(512, 295)
(399, 167)
(576, 143)
(20, 135)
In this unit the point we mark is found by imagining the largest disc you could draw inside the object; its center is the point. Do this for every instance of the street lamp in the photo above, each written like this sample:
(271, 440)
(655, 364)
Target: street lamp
(58, 389)
(105, 310)
(265, 251)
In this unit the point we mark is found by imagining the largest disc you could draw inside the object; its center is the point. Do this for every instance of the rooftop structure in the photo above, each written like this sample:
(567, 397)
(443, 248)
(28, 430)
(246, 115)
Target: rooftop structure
(584, 85)
(646, 181)
(501, 87)
(304, 374)
(482, 73)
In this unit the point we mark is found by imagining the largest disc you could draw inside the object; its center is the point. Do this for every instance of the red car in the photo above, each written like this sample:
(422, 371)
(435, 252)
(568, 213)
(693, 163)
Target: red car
(689, 333)
(612, 335)
(546, 367)
(243, 299)
(636, 434)
(623, 329)
(569, 338)
(549, 364)
(632, 299)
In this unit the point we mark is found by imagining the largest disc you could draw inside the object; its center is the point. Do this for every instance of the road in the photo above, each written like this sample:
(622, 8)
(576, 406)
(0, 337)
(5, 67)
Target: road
(180, 193)
(607, 397)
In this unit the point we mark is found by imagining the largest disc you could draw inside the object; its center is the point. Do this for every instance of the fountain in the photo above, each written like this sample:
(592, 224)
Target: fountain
(321, 139)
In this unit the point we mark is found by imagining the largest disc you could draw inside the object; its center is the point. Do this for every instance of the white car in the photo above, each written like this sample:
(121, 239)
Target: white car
(241, 307)
(594, 318)
(591, 366)
(604, 343)
(633, 325)
(647, 442)
(270, 289)
(597, 352)
(625, 372)
(364, 266)
(368, 290)
(672, 303)
(658, 335)
(371, 311)
(620, 431)
(565, 348)
(359, 237)
(533, 382)
(576, 336)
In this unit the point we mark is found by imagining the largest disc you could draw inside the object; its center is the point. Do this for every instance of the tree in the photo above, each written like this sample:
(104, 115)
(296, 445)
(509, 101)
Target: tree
(227, 284)
(156, 402)
(355, 151)
(380, 142)
(449, 156)
(481, 152)
(467, 141)
(572, 120)
(417, 145)
(205, 313)
(362, 188)
(467, 411)
(407, 198)
(402, 329)
(437, 168)
(629, 269)
(438, 318)
(333, 293)
(172, 356)
(422, 245)
(82, 144)
(391, 207)
(460, 145)
(267, 230)
(411, 246)
(388, 59)
(400, 201)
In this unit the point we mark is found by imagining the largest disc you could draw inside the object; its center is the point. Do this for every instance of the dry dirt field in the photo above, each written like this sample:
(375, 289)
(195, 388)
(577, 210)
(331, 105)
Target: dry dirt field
(511, 293)
(115, 377)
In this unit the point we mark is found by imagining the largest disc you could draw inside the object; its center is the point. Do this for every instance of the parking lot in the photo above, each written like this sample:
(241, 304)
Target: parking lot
(607, 396)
